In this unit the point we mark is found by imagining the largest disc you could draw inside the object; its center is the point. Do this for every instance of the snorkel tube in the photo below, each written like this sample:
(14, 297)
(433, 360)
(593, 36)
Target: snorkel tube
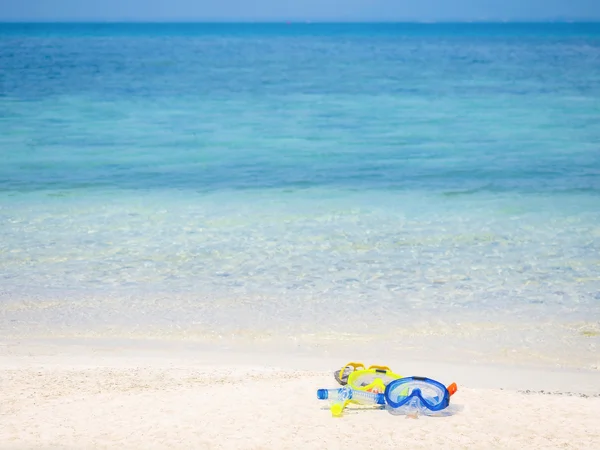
(341, 397)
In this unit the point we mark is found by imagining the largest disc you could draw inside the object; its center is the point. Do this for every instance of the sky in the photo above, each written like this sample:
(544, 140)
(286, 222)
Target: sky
(275, 10)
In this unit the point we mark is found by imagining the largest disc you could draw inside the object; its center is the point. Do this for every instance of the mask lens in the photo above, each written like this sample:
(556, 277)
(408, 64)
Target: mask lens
(432, 394)
(371, 379)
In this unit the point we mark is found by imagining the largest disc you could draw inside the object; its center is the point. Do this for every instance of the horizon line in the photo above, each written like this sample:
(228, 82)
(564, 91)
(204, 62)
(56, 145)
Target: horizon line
(303, 21)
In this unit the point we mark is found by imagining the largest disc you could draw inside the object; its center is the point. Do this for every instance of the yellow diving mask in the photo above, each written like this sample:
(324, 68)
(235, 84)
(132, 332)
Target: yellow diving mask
(374, 379)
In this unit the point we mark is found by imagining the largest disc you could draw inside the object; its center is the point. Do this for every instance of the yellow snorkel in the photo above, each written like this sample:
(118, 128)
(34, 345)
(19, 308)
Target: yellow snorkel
(363, 387)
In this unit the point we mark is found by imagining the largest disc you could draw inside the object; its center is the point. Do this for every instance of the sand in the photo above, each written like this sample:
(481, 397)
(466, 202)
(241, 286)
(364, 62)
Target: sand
(64, 396)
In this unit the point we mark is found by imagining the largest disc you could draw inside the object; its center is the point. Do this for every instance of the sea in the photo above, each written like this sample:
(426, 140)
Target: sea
(419, 189)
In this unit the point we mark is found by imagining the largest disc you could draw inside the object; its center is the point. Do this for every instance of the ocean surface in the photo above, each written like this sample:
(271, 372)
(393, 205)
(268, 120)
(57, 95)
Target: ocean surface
(432, 188)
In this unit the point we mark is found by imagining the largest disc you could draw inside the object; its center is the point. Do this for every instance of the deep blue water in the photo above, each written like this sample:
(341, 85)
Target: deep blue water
(277, 176)
(390, 106)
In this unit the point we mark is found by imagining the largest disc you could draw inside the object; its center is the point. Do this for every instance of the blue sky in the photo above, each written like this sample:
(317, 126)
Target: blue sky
(345, 10)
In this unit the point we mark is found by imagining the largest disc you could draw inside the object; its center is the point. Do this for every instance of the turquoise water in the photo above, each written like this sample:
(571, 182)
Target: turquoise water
(316, 184)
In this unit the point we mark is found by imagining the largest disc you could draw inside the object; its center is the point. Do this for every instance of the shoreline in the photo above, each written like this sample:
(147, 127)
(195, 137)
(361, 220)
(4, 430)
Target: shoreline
(516, 375)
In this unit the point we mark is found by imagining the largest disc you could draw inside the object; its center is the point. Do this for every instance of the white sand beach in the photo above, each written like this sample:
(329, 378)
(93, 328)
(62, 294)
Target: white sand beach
(71, 397)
